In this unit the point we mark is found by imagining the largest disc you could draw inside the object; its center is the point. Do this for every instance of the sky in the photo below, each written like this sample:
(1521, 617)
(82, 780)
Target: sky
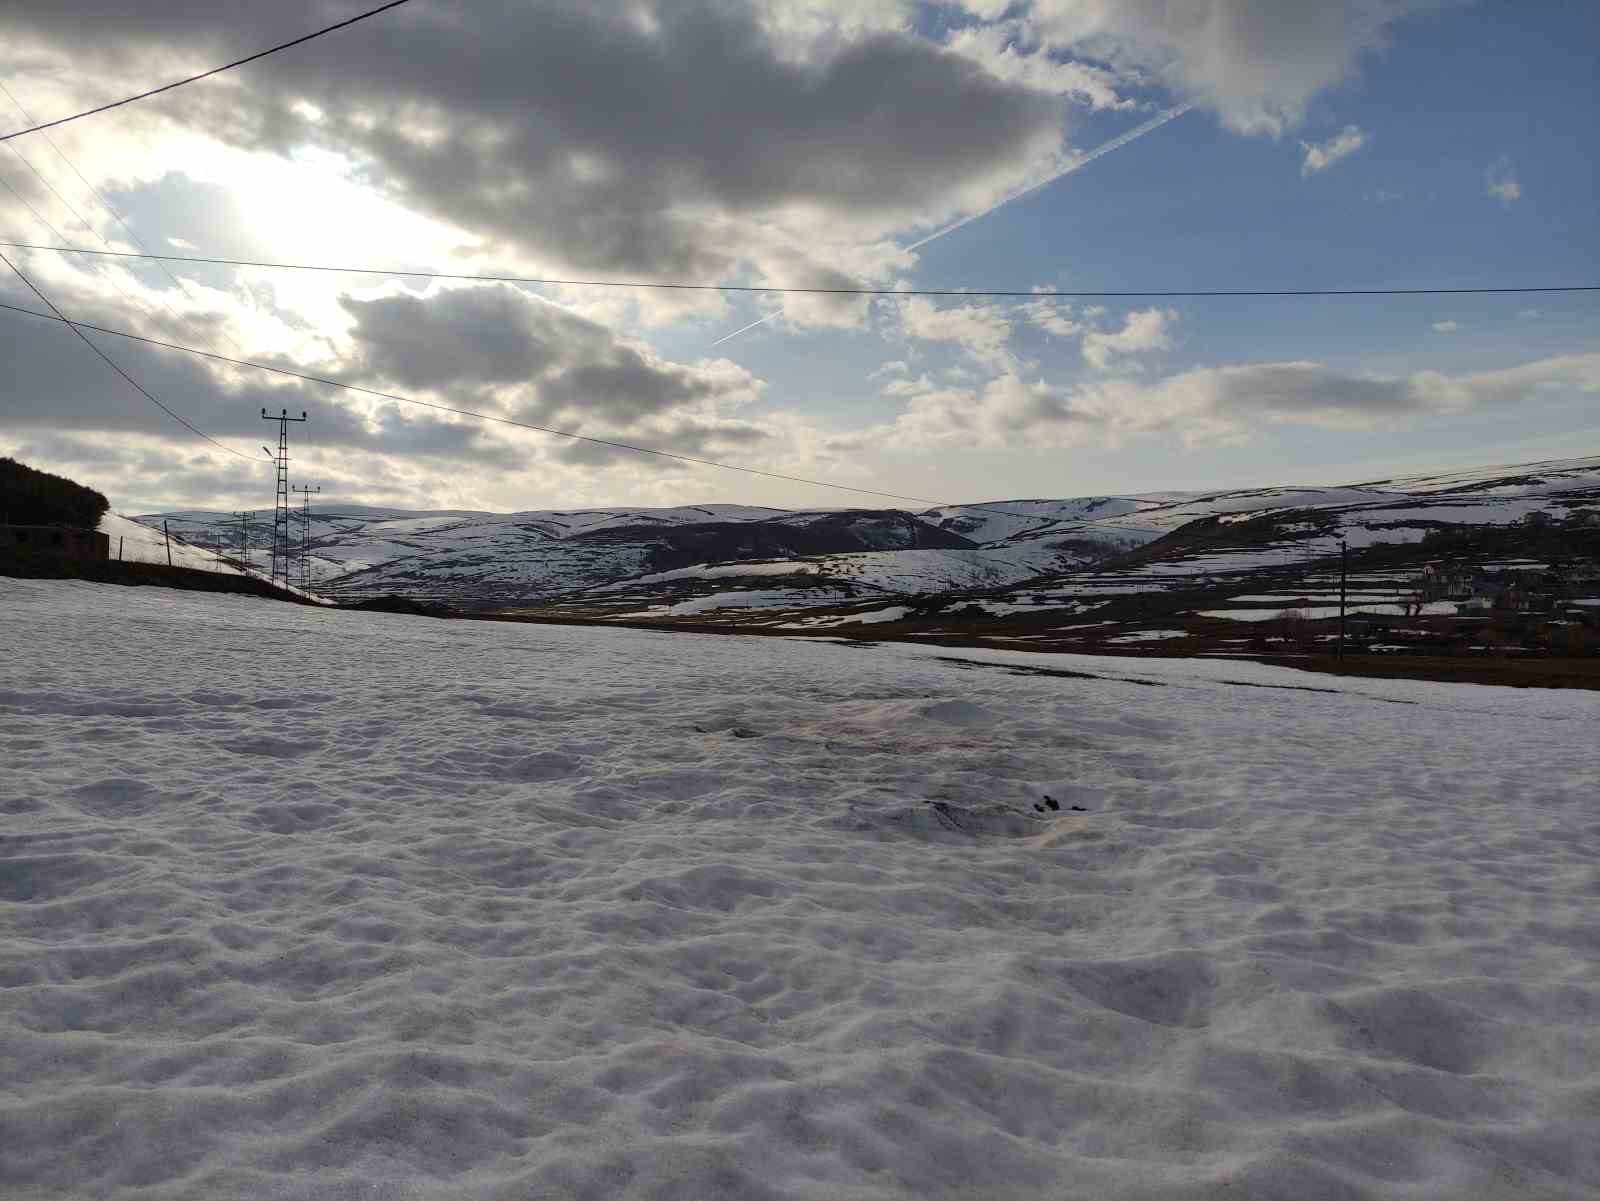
(876, 144)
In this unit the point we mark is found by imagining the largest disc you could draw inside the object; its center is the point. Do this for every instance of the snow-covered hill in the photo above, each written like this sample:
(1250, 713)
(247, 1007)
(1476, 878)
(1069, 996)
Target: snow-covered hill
(501, 557)
(140, 541)
(659, 560)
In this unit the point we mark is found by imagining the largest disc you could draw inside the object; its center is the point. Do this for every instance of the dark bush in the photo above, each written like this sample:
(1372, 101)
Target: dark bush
(32, 497)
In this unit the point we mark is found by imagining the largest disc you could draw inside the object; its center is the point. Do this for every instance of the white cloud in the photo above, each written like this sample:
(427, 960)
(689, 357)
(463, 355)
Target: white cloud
(1219, 404)
(1142, 332)
(999, 51)
(1446, 327)
(784, 143)
(1055, 318)
(1256, 63)
(1322, 155)
(983, 331)
(1501, 180)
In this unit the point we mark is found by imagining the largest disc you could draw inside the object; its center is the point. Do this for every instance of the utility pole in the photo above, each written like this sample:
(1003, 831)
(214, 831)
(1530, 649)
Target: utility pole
(305, 532)
(1344, 582)
(280, 513)
(244, 538)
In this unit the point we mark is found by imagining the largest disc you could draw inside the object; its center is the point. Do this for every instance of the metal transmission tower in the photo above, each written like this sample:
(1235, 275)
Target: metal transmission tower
(305, 532)
(244, 538)
(280, 515)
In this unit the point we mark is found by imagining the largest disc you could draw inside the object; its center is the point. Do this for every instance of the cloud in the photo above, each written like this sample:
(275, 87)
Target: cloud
(542, 364)
(1501, 182)
(1446, 327)
(982, 331)
(674, 139)
(465, 337)
(1055, 318)
(1322, 155)
(492, 348)
(1256, 63)
(1229, 403)
(1143, 332)
(999, 50)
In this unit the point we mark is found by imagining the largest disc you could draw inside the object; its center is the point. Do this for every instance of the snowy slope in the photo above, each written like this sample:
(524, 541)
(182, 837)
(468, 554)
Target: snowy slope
(335, 905)
(1309, 523)
(350, 538)
(134, 542)
(1000, 520)
(358, 550)
(902, 571)
(518, 557)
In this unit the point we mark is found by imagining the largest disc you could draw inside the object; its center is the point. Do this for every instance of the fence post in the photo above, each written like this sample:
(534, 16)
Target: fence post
(168, 533)
(119, 548)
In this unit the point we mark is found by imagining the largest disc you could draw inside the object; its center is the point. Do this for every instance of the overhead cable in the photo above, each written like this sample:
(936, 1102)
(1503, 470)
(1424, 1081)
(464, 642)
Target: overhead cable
(238, 62)
(107, 269)
(104, 203)
(74, 327)
(428, 404)
(972, 293)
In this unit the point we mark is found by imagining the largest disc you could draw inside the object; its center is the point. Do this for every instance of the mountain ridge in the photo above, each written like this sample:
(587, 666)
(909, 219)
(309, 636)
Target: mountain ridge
(485, 559)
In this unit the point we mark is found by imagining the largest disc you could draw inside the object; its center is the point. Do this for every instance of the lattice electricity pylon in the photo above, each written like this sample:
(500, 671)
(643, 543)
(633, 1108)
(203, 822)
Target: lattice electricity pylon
(305, 532)
(280, 514)
(244, 538)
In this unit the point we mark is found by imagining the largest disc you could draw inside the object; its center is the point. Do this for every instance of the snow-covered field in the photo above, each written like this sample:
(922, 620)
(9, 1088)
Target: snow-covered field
(306, 904)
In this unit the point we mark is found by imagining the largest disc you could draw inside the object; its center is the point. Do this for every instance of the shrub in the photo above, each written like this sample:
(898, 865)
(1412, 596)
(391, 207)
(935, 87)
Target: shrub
(32, 497)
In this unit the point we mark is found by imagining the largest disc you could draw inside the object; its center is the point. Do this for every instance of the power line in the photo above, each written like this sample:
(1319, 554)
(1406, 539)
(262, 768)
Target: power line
(427, 404)
(238, 62)
(105, 268)
(73, 326)
(104, 203)
(1074, 164)
(976, 293)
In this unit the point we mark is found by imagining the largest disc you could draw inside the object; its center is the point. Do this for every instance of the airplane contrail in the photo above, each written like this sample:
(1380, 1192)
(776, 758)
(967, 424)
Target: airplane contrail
(1082, 160)
(1074, 164)
(747, 328)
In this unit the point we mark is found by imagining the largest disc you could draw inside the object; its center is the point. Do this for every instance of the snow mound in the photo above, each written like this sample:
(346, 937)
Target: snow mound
(303, 903)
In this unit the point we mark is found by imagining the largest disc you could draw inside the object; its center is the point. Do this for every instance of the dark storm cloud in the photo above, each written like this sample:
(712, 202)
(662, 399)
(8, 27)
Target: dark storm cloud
(611, 135)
